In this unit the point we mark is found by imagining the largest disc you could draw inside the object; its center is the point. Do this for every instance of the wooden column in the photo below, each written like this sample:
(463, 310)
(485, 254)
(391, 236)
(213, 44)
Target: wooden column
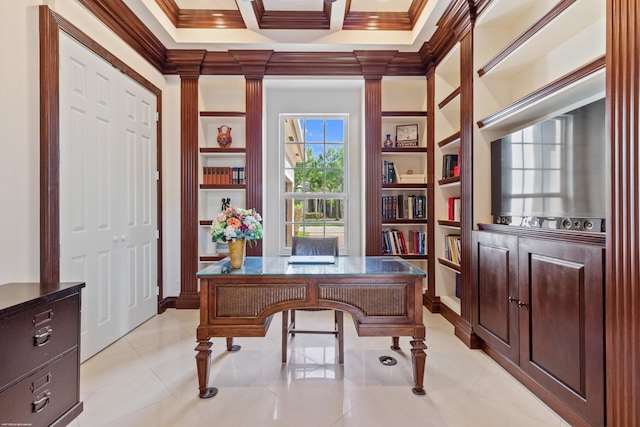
(373, 65)
(463, 328)
(253, 64)
(188, 65)
(622, 293)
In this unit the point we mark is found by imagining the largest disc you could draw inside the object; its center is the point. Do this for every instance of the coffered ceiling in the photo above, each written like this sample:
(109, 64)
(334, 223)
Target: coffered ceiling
(290, 25)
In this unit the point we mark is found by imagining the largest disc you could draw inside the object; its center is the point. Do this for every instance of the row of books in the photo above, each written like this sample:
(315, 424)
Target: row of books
(394, 242)
(222, 175)
(403, 206)
(452, 248)
(450, 166)
(389, 175)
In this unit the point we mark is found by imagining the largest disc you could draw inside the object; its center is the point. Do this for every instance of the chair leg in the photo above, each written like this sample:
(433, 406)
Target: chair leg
(285, 334)
(293, 323)
(340, 322)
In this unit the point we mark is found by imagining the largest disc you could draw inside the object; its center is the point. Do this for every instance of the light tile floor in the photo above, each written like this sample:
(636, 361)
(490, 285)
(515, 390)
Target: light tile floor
(148, 378)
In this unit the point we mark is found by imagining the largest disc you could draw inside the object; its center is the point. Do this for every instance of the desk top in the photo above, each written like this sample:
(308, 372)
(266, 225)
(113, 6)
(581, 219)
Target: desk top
(347, 265)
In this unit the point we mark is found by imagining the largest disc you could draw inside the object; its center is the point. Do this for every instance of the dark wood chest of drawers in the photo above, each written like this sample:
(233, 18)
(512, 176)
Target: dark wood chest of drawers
(39, 353)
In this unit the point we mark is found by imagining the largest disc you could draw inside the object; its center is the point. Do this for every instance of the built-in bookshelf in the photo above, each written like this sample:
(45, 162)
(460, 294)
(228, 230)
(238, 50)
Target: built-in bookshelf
(222, 170)
(447, 172)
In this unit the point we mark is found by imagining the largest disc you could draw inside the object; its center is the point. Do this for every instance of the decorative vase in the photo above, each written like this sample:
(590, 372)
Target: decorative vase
(388, 143)
(236, 253)
(224, 136)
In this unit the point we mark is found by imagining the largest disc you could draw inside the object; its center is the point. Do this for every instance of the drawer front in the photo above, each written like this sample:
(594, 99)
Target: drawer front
(34, 337)
(44, 396)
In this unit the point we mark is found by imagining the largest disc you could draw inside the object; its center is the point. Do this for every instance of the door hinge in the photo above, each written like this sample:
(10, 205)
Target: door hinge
(157, 116)
(157, 234)
(157, 175)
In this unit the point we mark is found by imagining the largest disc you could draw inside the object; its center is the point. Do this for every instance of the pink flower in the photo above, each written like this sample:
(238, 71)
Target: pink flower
(234, 222)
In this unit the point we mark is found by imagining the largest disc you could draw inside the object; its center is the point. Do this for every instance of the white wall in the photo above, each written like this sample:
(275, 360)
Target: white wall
(313, 96)
(19, 151)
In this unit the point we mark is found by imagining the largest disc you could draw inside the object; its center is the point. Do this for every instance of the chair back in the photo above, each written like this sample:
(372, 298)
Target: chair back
(315, 246)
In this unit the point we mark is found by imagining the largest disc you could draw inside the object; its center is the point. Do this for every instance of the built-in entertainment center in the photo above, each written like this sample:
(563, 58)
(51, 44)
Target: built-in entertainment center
(552, 174)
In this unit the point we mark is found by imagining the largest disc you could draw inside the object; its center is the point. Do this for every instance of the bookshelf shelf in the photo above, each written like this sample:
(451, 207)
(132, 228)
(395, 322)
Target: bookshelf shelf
(447, 223)
(450, 265)
(452, 181)
(400, 186)
(452, 141)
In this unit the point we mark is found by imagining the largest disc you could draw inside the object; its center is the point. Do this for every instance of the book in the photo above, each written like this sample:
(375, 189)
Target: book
(449, 162)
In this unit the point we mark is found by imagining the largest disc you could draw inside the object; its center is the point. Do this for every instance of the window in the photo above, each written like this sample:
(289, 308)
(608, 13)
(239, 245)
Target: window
(314, 177)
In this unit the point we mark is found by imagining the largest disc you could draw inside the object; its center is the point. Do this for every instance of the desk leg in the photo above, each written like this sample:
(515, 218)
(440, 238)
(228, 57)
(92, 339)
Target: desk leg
(418, 359)
(203, 360)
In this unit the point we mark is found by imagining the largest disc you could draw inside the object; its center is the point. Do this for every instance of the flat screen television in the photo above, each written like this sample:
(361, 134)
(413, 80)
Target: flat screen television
(553, 174)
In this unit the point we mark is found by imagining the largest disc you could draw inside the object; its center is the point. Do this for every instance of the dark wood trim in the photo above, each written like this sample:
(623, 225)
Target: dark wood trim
(464, 331)
(254, 162)
(404, 150)
(579, 237)
(449, 98)
(448, 140)
(373, 170)
(393, 21)
(214, 150)
(450, 180)
(419, 185)
(210, 18)
(404, 221)
(567, 414)
(450, 264)
(49, 148)
(403, 114)
(170, 9)
(446, 223)
(431, 301)
(451, 316)
(189, 297)
(530, 32)
(292, 20)
(465, 163)
(121, 20)
(622, 297)
(223, 114)
(222, 186)
(545, 91)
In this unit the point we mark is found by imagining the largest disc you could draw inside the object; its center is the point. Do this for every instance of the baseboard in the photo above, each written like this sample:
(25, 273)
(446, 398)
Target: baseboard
(188, 301)
(168, 302)
(431, 303)
(464, 331)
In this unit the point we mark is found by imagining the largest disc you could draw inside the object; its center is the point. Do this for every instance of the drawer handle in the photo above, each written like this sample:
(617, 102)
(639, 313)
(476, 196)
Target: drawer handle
(41, 401)
(42, 336)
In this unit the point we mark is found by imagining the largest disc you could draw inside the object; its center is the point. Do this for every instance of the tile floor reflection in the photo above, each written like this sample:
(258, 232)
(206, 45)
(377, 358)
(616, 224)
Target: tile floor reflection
(148, 378)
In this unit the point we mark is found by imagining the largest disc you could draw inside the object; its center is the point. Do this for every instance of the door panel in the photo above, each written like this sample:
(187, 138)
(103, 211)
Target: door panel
(107, 194)
(561, 323)
(495, 319)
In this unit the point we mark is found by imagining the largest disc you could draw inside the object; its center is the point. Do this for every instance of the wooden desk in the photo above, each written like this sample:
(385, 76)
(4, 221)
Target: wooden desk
(383, 295)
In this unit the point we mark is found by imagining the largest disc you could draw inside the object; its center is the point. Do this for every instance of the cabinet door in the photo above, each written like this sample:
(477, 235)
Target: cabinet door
(562, 340)
(495, 266)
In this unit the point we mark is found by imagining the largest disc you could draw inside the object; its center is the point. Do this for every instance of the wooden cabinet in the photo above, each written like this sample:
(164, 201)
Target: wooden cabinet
(539, 307)
(40, 356)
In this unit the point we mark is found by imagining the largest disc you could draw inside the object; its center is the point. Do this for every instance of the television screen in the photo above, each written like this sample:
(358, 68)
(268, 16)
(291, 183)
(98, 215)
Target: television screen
(553, 169)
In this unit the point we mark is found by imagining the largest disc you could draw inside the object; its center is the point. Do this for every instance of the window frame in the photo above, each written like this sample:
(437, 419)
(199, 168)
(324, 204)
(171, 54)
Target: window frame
(284, 195)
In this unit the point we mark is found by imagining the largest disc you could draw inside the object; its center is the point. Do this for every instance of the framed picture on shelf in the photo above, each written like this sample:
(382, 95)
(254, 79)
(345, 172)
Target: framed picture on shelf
(407, 136)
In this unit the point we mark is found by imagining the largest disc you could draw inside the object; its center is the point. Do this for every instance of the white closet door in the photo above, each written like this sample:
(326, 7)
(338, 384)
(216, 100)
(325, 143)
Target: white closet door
(107, 195)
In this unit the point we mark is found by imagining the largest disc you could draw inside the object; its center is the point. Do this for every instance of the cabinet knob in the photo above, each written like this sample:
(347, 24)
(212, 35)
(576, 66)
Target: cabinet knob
(116, 238)
(521, 304)
(512, 299)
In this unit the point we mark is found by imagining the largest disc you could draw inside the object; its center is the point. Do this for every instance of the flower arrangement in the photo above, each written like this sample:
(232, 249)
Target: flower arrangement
(236, 223)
